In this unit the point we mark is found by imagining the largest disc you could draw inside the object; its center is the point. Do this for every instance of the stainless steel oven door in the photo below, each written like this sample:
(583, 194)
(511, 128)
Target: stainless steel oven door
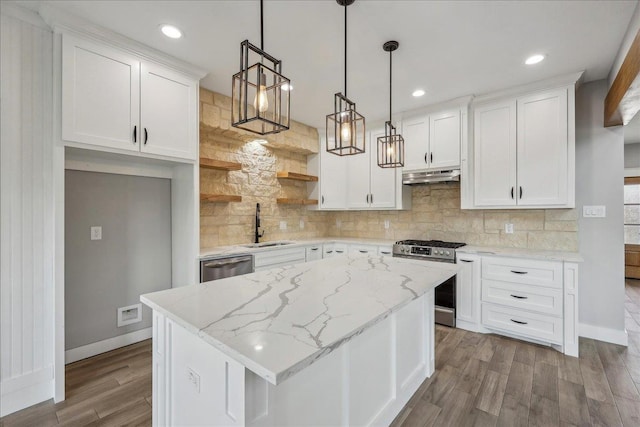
(445, 304)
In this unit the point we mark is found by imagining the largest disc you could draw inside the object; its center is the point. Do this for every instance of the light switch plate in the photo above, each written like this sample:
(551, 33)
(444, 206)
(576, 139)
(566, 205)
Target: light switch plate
(96, 233)
(302, 224)
(508, 228)
(598, 211)
(283, 225)
(386, 224)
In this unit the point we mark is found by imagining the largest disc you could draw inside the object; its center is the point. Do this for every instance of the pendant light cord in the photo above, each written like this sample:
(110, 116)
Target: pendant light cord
(261, 27)
(390, 82)
(345, 50)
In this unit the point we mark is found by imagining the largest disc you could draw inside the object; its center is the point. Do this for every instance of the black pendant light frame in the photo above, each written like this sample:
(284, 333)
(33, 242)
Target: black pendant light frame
(391, 145)
(263, 81)
(345, 128)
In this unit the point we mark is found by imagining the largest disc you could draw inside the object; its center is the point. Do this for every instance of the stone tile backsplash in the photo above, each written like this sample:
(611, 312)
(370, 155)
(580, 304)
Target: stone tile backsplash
(435, 212)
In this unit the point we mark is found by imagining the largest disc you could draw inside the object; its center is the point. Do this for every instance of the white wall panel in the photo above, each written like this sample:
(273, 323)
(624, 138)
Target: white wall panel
(26, 220)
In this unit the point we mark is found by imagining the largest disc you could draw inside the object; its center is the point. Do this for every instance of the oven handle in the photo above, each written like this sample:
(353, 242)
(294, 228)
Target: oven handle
(219, 264)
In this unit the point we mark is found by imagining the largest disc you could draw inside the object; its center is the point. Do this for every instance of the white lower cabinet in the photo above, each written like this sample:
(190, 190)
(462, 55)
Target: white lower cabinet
(334, 249)
(535, 300)
(313, 252)
(468, 292)
(278, 258)
(363, 249)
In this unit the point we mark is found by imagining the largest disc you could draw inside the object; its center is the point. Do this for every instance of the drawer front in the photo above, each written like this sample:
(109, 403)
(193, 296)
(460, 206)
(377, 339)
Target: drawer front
(527, 297)
(528, 272)
(278, 257)
(537, 326)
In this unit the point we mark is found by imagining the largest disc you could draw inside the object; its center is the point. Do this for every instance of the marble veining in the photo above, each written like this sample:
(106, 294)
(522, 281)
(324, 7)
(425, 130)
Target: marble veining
(277, 322)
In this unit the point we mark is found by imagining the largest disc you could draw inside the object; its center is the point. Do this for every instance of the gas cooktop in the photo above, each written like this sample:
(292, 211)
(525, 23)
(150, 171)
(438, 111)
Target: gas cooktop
(434, 250)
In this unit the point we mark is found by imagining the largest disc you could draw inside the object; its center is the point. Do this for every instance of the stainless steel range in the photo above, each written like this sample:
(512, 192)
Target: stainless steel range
(435, 250)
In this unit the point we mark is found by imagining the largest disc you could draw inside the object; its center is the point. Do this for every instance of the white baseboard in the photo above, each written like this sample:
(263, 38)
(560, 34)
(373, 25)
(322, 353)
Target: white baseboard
(599, 333)
(26, 390)
(103, 346)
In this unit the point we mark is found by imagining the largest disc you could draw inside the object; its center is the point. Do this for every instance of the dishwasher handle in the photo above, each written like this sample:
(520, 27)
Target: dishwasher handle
(219, 264)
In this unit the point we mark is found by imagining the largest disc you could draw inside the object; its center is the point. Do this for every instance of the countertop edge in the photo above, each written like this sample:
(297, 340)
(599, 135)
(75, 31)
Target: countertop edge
(522, 253)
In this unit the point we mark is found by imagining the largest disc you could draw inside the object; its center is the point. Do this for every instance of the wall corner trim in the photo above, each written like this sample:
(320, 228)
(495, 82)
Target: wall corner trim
(614, 336)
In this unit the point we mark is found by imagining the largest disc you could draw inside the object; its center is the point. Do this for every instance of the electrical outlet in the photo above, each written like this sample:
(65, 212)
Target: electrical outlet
(194, 379)
(508, 228)
(338, 223)
(283, 225)
(386, 224)
(302, 224)
(96, 233)
(594, 211)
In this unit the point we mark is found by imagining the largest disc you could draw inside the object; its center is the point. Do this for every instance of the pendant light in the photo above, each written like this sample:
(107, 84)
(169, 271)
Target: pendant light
(391, 145)
(345, 126)
(260, 93)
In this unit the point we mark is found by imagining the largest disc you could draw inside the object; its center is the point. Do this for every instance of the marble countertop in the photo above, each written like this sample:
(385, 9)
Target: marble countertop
(277, 322)
(522, 253)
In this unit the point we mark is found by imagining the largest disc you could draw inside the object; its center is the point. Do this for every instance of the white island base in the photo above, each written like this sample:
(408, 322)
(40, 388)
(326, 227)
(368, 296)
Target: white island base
(364, 381)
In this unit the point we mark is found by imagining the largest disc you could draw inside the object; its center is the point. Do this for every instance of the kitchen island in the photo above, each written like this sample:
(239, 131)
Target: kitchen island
(339, 341)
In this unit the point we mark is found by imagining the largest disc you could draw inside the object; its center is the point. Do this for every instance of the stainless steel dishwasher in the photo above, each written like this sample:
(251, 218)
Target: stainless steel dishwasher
(225, 266)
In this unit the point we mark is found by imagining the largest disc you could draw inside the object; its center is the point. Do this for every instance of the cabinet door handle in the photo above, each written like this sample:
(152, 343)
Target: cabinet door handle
(314, 249)
(322, 200)
(329, 252)
(519, 296)
(519, 272)
(371, 198)
(339, 252)
(520, 192)
(425, 158)
(431, 157)
(135, 134)
(512, 192)
(146, 136)
(385, 252)
(519, 322)
(367, 199)
(363, 252)
(466, 260)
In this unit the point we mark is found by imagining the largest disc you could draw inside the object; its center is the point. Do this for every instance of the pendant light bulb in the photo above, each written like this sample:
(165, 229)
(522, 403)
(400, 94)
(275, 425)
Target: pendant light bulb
(261, 100)
(345, 131)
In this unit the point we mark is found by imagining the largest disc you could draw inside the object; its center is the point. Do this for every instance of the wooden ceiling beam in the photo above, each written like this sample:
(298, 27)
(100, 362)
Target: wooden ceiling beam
(623, 100)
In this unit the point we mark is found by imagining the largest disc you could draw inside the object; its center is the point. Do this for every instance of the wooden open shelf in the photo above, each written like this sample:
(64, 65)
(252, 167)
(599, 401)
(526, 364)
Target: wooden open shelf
(219, 164)
(287, 201)
(296, 176)
(220, 198)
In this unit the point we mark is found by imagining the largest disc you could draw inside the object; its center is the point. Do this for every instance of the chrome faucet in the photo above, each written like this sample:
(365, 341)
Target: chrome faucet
(258, 234)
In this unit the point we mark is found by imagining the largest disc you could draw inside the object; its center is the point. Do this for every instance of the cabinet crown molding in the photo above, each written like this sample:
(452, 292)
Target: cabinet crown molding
(572, 79)
(65, 22)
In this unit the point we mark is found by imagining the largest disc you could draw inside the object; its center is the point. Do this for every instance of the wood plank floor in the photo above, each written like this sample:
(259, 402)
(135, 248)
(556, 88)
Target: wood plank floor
(480, 380)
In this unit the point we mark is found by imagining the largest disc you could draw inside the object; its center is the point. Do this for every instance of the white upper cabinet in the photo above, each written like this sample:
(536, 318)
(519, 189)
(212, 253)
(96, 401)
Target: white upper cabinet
(524, 152)
(370, 186)
(542, 149)
(118, 101)
(432, 141)
(167, 113)
(100, 95)
(332, 180)
(495, 154)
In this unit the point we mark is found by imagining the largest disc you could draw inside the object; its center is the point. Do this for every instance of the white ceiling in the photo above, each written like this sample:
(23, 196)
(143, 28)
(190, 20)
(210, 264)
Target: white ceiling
(448, 48)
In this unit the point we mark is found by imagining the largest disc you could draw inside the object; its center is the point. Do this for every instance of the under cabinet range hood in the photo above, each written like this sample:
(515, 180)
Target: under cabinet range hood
(430, 177)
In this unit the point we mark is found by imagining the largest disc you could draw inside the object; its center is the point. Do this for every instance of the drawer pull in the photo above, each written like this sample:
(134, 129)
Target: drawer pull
(519, 322)
(519, 272)
(339, 252)
(466, 260)
(519, 296)
(363, 251)
(314, 249)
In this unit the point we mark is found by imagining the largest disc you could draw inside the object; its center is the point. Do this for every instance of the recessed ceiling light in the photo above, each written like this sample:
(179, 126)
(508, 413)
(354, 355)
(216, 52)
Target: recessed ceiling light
(418, 93)
(534, 59)
(257, 347)
(171, 31)
(287, 87)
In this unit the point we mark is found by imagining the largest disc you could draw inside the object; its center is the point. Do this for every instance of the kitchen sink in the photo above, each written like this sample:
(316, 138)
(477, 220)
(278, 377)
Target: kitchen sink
(266, 244)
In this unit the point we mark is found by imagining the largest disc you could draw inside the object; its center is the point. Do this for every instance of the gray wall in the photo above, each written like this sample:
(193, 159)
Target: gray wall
(632, 155)
(599, 181)
(133, 257)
